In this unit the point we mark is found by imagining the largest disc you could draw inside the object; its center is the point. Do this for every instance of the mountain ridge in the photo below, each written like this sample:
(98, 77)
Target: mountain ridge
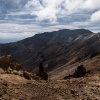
(59, 56)
(56, 48)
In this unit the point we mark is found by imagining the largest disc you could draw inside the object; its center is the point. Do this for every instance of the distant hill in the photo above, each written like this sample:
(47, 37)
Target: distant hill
(54, 48)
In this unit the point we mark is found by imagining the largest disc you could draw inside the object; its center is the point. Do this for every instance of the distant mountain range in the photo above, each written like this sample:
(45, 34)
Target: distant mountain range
(54, 48)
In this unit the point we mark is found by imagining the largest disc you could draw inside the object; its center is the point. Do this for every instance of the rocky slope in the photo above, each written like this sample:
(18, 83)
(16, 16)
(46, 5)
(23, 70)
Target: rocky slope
(91, 64)
(14, 87)
(10, 66)
(55, 48)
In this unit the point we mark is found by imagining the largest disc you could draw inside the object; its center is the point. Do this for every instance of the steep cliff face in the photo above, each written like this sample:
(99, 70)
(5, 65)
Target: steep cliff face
(55, 48)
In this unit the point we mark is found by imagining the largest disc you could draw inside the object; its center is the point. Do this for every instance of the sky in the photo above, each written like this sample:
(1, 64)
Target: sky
(20, 19)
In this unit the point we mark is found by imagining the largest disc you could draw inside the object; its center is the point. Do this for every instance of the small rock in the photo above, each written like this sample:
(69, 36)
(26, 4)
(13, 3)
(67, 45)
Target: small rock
(5, 83)
(72, 92)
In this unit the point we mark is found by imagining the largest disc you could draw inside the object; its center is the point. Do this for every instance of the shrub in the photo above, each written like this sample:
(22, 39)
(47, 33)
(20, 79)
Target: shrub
(42, 74)
(80, 71)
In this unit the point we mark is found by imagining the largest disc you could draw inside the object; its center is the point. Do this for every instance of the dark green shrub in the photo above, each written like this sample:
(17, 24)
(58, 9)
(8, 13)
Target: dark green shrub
(42, 74)
(80, 71)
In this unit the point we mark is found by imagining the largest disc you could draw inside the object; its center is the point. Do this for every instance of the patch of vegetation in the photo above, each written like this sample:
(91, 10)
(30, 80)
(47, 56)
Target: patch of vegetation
(42, 74)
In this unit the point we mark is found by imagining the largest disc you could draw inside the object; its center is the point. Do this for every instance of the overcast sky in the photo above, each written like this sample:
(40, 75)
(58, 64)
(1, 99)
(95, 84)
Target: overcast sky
(24, 18)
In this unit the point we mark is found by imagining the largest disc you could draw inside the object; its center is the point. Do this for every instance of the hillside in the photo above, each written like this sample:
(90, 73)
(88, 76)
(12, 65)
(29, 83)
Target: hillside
(61, 53)
(91, 64)
(14, 85)
(55, 48)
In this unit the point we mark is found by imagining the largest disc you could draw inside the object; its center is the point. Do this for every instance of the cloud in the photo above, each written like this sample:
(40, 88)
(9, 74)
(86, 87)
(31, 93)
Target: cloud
(95, 17)
(25, 18)
(53, 10)
(47, 11)
(15, 32)
(91, 4)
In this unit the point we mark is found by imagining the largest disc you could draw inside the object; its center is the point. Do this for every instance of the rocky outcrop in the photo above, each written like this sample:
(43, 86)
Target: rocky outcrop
(9, 65)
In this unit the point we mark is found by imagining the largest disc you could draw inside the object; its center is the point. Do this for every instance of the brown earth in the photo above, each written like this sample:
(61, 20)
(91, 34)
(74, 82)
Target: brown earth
(13, 87)
(92, 64)
(16, 87)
